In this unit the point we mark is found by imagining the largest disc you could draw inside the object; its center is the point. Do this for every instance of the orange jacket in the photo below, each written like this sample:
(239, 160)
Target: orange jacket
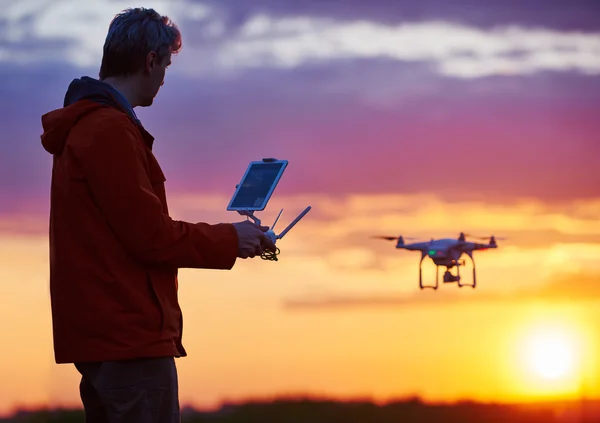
(114, 250)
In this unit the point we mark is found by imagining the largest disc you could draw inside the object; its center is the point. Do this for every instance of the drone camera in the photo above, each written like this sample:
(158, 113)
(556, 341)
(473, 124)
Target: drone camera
(449, 277)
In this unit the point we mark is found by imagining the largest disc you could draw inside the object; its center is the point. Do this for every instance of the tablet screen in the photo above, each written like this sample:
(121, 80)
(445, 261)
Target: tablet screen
(257, 185)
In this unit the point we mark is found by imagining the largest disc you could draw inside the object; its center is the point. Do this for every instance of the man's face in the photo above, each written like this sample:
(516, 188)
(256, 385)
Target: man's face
(155, 77)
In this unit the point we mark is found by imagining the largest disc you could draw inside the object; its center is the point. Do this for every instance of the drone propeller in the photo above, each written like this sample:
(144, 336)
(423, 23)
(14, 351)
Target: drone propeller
(391, 238)
(484, 238)
(387, 238)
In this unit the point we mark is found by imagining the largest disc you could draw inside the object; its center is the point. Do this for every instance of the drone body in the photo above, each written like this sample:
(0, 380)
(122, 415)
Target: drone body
(446, 252)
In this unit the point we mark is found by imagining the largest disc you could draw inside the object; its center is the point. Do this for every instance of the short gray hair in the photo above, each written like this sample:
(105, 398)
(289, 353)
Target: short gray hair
(133, 34)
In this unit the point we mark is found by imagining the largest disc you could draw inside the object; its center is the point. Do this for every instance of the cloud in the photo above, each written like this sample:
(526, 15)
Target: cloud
(406, 126)
(329, 260)
(410, 132)
(337, 265)
(456, 50)
(557, 14)
(262, 40)
(567, 287)
(563, 287)
(20, 225)
(421, 215)
(69, 30)
(347, 221)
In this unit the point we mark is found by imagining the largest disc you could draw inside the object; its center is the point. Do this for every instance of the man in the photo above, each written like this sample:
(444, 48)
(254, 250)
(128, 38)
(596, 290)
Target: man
(114, 250)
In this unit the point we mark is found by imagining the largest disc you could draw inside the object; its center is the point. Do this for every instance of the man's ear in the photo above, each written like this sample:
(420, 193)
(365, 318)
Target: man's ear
(151, 61)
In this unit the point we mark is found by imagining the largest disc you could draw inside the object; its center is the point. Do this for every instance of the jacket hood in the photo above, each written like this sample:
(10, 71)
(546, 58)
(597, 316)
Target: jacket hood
(83, 96)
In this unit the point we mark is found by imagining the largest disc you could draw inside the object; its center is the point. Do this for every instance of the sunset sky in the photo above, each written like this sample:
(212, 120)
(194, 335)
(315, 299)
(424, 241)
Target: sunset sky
(421, 119)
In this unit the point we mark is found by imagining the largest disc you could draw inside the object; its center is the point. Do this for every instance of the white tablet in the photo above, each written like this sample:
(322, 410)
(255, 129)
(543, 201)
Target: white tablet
(257, 185)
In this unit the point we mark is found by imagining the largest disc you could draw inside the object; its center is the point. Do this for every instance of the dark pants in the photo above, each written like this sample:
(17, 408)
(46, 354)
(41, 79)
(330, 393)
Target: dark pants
(133, 391)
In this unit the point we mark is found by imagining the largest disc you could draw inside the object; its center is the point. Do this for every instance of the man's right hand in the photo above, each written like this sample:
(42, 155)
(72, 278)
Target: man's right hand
(252, 240)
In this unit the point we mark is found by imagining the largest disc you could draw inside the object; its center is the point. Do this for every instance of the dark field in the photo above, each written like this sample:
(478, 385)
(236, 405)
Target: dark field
(329, 411)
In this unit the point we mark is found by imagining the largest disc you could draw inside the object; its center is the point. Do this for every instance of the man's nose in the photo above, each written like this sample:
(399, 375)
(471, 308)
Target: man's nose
(162, 83)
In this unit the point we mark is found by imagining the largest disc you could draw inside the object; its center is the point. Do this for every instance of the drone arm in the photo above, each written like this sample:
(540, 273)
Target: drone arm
(417, 246)
(474, 246)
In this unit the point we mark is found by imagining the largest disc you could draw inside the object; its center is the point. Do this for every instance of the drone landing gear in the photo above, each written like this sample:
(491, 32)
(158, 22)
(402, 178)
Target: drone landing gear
(470, 254)
(423, 255)
(448, 276)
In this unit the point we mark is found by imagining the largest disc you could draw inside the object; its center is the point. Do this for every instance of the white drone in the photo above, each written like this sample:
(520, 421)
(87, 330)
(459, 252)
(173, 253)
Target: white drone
(445, 252)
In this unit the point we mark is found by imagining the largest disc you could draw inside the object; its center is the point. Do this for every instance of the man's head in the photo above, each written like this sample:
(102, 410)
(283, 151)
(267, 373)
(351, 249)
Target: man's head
(138, 50)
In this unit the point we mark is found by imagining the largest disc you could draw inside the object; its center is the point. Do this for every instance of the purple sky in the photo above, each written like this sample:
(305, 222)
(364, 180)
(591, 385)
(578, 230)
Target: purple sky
(355, 123)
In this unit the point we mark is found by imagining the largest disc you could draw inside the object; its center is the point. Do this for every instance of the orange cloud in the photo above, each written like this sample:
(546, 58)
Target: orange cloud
(579, 287)
(328, 257)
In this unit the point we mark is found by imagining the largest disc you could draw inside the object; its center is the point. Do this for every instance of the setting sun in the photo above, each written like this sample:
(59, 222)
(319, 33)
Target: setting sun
(551, 355)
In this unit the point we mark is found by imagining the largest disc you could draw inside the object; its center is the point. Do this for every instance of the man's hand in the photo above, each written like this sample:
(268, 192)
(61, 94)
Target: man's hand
(252, 240)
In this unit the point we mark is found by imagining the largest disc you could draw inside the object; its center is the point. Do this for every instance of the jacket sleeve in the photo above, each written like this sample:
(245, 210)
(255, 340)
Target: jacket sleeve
(113, 163)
